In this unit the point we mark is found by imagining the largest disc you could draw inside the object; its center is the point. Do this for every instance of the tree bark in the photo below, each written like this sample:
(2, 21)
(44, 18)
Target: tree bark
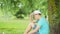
(54, 13)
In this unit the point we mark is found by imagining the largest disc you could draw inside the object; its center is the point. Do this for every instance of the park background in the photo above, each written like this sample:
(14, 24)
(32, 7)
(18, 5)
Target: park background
(14, 14)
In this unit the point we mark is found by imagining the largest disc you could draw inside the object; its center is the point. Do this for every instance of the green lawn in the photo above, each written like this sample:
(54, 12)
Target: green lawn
(13, 26)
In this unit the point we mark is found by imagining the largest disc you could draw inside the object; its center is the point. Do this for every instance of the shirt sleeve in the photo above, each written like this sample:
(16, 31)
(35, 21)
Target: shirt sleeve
(40, 23)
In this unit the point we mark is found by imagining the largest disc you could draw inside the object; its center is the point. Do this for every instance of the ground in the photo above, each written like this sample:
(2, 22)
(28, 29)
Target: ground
(13, 26)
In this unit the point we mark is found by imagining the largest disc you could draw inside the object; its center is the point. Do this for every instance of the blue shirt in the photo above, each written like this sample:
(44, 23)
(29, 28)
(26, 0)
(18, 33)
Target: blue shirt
(44, 26)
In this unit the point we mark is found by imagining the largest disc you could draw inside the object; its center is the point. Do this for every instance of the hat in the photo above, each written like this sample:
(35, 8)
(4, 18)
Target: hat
(37, 12)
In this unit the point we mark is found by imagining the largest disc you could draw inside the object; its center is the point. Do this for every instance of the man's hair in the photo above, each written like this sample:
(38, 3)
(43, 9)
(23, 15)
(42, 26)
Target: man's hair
(39, 14)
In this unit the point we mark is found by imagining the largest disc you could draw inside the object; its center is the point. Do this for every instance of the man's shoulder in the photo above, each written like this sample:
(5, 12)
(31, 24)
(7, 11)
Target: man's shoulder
(42, 19)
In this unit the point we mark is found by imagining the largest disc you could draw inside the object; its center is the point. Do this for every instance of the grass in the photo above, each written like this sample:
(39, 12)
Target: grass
(13, 26)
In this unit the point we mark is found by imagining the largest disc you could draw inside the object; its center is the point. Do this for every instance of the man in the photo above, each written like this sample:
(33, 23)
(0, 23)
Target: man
(42, 24)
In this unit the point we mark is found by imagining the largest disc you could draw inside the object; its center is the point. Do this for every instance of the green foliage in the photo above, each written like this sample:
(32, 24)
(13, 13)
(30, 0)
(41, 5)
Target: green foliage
(11, 7)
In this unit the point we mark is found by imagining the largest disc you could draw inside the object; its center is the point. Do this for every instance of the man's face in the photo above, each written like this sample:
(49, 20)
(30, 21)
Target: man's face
(36, 16)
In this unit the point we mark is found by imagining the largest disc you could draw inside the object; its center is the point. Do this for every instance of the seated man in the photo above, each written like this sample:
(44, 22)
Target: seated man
(42, 24)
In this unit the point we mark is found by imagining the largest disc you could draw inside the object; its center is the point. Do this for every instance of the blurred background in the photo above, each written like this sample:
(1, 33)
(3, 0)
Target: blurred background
(14, 14)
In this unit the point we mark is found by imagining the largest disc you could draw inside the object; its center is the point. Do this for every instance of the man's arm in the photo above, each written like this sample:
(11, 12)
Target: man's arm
(28, 29)
(34, 31)
(29, 26)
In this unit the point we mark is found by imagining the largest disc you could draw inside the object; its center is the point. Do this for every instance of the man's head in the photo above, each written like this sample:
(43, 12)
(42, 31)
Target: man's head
(37, 14)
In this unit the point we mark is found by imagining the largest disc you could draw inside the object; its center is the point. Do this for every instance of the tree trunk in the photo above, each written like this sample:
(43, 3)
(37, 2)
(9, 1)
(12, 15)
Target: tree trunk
(54, 13)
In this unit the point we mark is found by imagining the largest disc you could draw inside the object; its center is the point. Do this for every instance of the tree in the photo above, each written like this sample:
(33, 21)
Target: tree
(54, 18)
